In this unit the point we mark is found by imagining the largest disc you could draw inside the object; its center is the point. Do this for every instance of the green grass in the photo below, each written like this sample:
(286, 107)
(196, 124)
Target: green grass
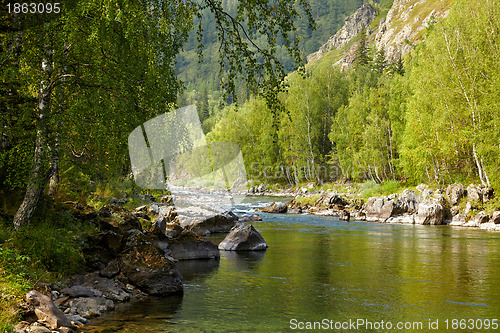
(372, 189)
(308, 200)
(47, 250)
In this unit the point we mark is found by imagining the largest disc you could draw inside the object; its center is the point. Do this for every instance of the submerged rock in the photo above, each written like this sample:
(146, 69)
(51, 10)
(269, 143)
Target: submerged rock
(276, 207)
(243, 237)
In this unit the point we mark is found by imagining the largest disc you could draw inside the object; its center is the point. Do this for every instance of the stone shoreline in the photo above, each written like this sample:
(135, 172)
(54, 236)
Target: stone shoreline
(125, 262)
(455, 206)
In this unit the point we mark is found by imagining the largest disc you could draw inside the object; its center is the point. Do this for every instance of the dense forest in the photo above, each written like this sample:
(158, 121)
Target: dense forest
(76, 82)
(433, 119)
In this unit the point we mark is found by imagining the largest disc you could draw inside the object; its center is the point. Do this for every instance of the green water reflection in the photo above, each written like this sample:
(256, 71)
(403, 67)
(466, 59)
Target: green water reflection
(319, 268)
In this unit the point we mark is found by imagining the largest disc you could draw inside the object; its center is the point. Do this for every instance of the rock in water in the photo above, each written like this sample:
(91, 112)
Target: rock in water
(276, 207)
(145, 266)
(187, 249)
(243, 237)
(220, 223)
(430, 212)
(46, 311)
(378, 209)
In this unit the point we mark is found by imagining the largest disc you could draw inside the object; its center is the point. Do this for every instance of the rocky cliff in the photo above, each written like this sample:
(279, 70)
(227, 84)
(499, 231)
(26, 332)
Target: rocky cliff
(353, 25)
(405, 24)
(403, 27)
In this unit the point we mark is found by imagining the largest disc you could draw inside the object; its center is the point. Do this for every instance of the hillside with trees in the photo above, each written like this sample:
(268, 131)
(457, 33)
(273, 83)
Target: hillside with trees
(431, 117)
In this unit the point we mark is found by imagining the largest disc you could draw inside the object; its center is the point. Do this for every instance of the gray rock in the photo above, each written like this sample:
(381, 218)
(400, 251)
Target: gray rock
(146, 266)
(403, 219)
(220, 223)
(455, 193)
(110, 290)
(111, 270)
(495, 218)
(110, 240)
(243, 237)
(77, 319)
(254, 217)
(482, 217)
(81, 291)
(89, 307)
(187, 249)
(407, 202)
(46, 311)
(378, 209)
(276, 207)
(430, 212)
(458, 220)
(39, 329)
(490, 226)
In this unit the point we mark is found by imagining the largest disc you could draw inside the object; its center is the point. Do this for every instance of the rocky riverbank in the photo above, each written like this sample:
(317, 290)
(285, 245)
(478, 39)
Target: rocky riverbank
(131, 255)
(472, 206)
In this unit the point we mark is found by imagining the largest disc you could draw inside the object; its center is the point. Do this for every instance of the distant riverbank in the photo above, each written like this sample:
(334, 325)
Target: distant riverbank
(472, 206)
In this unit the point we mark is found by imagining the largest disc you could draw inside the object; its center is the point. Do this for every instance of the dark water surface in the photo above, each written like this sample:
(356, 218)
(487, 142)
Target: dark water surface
(319, 268)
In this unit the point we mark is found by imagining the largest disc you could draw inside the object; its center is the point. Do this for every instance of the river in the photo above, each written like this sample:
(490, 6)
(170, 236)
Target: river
(335, 273)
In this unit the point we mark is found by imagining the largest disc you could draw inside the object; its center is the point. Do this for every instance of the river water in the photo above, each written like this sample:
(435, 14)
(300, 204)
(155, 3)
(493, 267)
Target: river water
(332, 272)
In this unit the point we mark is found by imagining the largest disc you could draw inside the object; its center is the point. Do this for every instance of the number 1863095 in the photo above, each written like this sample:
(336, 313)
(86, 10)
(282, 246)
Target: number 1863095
(34, 8)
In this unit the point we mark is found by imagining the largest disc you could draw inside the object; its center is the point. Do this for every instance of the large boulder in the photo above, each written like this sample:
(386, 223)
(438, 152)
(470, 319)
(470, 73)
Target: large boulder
(378, 209)
(189, 246)
(276, 207)
(243, 237)
(407, 202)
(220, 223)
(430, 212)
(46, 312)
(455, 193)
(146, 266)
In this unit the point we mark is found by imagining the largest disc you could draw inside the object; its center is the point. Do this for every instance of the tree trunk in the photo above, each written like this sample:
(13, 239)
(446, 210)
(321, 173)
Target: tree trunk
(38, 178)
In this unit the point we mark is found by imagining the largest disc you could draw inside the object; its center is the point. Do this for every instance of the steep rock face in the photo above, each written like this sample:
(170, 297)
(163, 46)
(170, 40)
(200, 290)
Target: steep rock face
(401, 30)
(353, 25)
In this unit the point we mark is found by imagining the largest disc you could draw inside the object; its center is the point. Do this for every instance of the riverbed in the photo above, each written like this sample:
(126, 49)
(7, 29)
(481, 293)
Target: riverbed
(319, 269)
